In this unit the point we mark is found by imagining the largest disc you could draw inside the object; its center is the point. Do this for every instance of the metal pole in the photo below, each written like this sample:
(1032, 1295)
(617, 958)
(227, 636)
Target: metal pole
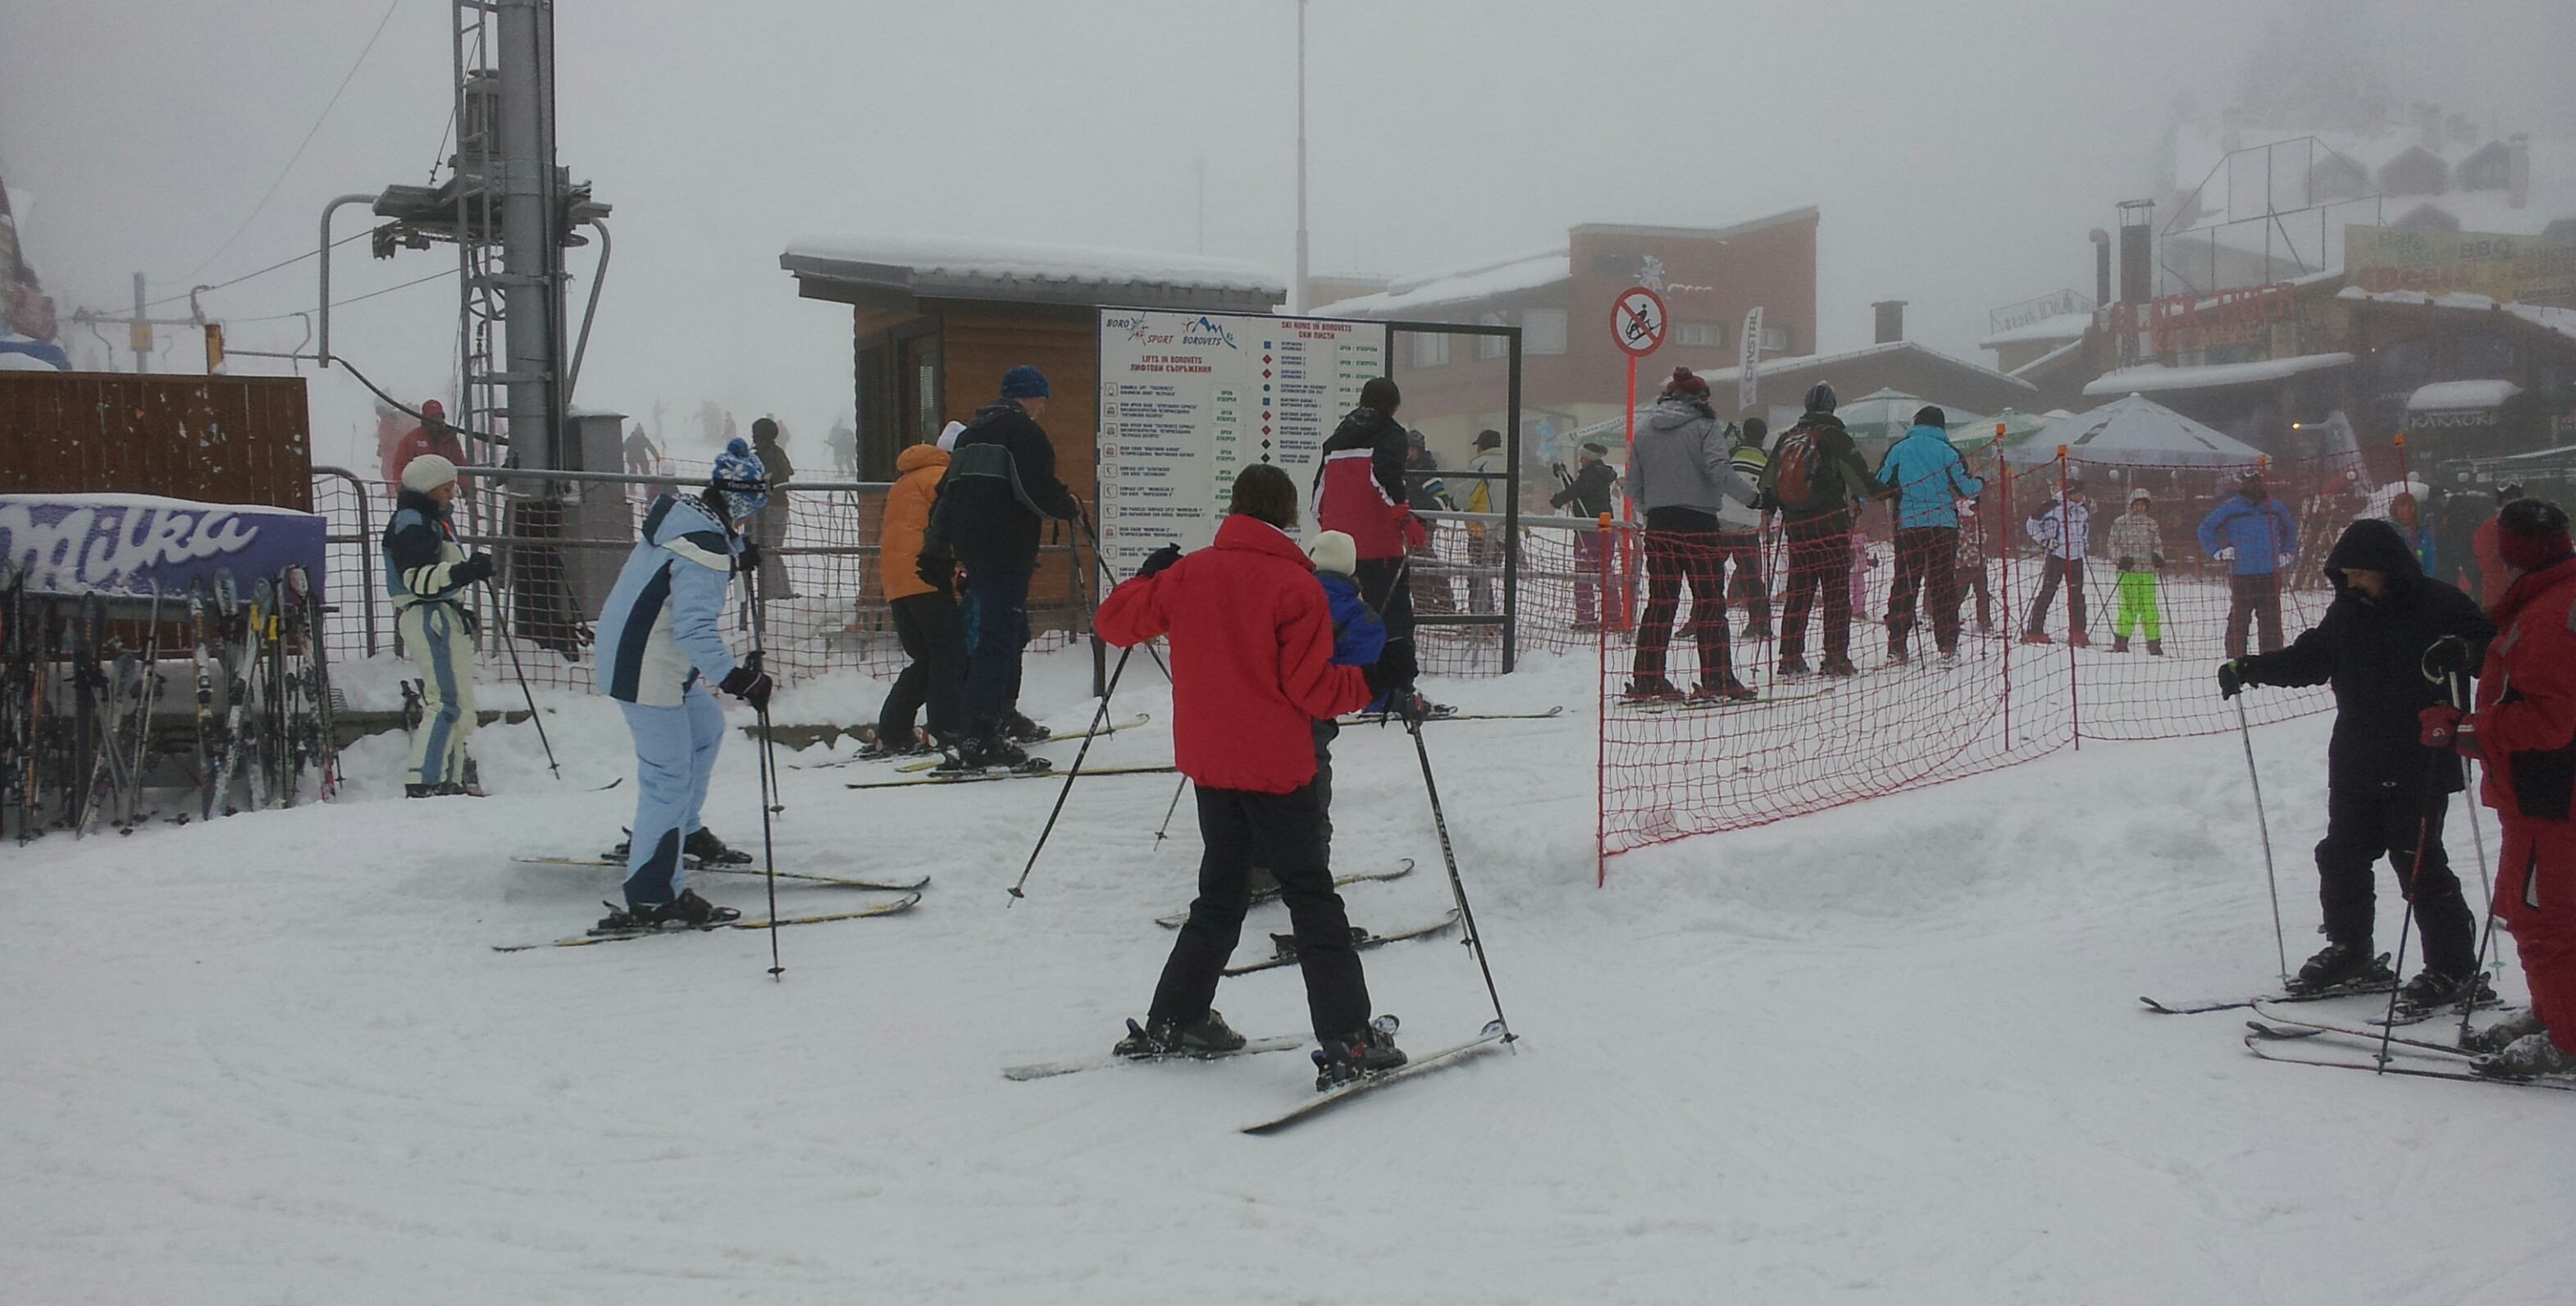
(322, 332)
(2263, 825)
(526, 185)
(598, 278)
(1297, 293)
(135, 332)
(1512, 510)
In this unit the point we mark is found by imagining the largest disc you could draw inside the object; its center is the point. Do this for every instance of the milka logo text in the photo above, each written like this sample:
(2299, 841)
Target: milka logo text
(98, 548)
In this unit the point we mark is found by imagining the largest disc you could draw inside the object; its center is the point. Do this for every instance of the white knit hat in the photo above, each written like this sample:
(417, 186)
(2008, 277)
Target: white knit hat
(427, 472)
(1335, 552)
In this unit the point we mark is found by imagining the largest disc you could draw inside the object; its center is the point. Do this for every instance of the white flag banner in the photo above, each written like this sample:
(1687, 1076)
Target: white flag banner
(1749, 359)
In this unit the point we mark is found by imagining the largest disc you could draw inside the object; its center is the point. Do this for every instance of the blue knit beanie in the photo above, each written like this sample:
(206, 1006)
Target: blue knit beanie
(740, 480)
(1024, 382)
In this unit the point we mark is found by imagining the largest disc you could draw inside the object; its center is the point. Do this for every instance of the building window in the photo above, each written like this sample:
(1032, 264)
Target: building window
(1491, 347)
(1706, 335)
(1426, 349)
(1543, 331)
(1776, 340)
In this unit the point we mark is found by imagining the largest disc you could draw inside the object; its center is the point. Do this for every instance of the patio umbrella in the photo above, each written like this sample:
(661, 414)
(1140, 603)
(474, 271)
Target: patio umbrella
(2136, 432)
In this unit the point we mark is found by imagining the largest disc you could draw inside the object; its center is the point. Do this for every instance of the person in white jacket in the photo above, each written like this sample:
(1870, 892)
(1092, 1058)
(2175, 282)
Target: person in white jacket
(2063, 529)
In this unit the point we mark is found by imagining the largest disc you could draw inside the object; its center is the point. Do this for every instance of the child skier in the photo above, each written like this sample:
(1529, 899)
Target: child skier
(658, 649)
(2138, 545)
(1252, 666)
(425, 572)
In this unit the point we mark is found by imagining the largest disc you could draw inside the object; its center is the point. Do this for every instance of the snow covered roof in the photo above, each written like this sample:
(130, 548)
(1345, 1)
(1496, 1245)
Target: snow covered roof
(2198, 151)
(2042, 362)
(2136, 431)
(1810, 362)
(960, 268)
(2150, 378)
(1525, 271)
(2443, 395)
(1458, 285)
(2064, 326)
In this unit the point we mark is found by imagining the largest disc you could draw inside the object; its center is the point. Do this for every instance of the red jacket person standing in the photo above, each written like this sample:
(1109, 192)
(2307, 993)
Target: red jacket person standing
(2525, 732)
(1252, 669)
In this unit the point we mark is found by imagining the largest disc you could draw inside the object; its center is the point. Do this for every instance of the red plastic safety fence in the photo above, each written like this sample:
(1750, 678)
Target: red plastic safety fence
(2059, 610)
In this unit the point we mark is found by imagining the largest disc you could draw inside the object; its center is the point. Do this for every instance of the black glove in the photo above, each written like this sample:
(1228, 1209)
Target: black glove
(1563, 476)
(1159, 559)
(748, 560)
(478, 567)
(751, 685)
(2232, 679)
(752, 660)
(2128, 563)
(1380, 678)
(937, 567)
(2449, 656)
(2157, 560)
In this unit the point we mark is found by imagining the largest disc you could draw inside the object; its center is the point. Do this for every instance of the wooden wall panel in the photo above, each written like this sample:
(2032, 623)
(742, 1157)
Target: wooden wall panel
(979, 342)
(219, 439)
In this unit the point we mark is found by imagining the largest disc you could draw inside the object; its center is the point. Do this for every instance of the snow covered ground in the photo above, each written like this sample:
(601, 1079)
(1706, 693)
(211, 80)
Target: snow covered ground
(1891, 1053)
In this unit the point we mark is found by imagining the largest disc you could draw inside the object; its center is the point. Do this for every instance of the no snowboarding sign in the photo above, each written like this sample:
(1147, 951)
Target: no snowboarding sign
(1637, 321)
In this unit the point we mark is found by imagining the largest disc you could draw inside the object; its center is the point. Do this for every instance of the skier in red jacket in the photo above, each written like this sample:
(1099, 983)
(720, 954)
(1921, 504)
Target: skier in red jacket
(1252, 670)
(2525, 732)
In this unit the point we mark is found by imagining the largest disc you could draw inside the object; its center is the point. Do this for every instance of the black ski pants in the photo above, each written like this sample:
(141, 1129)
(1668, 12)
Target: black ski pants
(2070, 571)
(1286, 832)
(2253, 601)
(1819, 577)
(1924, 557)
(1393, 603)
(2361, 828)
(934, 637)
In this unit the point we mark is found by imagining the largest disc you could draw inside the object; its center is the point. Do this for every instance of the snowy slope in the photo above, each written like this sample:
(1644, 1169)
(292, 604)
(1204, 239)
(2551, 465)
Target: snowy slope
(1892, 1053)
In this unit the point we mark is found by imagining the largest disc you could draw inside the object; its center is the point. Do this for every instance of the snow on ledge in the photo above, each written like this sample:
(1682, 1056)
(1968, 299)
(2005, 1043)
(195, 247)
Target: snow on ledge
(2064, 326)
(1024, 260)
(2152, 377)
(2450, 395)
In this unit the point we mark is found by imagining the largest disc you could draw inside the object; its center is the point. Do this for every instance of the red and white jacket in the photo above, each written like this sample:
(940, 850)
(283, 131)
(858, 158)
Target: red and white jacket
(2526, 717)
(1252, 656)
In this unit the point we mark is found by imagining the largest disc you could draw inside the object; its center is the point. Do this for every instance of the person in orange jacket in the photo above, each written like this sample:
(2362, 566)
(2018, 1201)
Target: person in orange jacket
(924, 607)
(2524, 730)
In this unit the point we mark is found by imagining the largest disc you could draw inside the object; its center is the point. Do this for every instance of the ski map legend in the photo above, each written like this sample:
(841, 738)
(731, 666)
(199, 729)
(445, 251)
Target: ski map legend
(1186, 399)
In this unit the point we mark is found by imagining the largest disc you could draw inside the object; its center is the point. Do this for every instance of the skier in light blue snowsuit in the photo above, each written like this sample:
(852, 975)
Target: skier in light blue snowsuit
(658, 649)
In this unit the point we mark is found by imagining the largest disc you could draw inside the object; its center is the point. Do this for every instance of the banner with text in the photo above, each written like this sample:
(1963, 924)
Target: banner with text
(1187, 399)
(133, 543)
(2507, 268)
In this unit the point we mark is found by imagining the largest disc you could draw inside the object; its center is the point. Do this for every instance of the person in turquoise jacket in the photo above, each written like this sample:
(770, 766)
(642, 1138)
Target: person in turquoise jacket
(1930, 478)
(2254, 534)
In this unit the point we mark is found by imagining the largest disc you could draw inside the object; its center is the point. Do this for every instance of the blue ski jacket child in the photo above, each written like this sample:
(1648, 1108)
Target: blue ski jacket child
(1358, 636)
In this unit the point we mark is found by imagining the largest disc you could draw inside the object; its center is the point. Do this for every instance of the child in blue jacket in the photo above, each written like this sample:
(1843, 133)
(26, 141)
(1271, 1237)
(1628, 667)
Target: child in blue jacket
(1359, 640)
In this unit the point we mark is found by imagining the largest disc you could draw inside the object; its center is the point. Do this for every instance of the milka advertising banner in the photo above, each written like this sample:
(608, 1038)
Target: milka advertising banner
(131, 543)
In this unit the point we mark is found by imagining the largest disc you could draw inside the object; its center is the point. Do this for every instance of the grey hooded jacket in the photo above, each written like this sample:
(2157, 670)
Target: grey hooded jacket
(1681, 461)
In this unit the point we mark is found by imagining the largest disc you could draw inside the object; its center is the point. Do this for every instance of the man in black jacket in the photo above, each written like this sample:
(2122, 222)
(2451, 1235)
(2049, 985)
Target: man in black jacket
(1587, 493)
(1360, 491)
(1001, 482)
(2385, 790)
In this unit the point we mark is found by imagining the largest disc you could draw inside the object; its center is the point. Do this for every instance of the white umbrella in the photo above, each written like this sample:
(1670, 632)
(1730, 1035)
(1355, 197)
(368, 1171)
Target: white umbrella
(2135, 432)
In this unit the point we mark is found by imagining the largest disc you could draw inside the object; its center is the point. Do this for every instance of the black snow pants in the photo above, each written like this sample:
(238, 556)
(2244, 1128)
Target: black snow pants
(1287, 833)
(2361, 828)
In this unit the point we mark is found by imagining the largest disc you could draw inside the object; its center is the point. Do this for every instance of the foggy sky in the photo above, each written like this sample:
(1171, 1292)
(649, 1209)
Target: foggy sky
(1959, 152)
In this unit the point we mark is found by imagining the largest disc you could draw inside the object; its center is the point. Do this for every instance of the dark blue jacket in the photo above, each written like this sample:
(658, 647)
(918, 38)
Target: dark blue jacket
(1358, 635)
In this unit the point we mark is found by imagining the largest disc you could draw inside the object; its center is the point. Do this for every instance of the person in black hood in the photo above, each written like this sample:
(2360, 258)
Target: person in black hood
(2384, 789)
(1001, 482)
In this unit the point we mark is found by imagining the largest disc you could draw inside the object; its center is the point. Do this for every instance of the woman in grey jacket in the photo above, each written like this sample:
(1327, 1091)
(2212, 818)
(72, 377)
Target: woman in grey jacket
(1680, 476)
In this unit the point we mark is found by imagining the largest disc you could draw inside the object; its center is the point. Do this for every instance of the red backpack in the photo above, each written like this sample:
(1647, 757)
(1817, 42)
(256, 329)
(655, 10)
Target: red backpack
(1795, 463)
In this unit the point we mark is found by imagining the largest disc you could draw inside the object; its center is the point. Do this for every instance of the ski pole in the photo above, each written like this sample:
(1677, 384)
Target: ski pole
(2280, 944)
(1098, 719)
(1102, 562)
(1168, 812)
(1457, 887)
(2458, 687)
(534, 717)
(2431, 803)
(768, 847)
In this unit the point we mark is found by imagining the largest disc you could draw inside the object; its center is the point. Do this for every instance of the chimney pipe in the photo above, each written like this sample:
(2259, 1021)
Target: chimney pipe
(1891, 320)
(2101, 265)
(2518, 189)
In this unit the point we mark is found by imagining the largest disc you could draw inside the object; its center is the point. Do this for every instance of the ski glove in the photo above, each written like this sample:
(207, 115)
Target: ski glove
(2447, 727)
(936, 567)
(478, 567)
(1158, 560)
(1415, 536)
(748, 560)
(750, 684)
(2128, 563)
(2232, 679)
(2449, 656)
(2227, 554)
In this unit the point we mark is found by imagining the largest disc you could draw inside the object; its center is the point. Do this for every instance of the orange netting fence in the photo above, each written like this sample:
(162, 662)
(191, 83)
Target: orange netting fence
(2131, 616)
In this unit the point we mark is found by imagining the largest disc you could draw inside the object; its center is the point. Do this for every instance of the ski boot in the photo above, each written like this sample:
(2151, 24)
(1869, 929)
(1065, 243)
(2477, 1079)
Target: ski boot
(2155, 648)
(2528, 1057)
(2036, 637)
(2340, 966)
(1020, 730)
(2078, 639)
(883, 747)
(2504, 1033)
(703, 845)
(993, 752)
(1725, 688)
(2119, 643)
(2431, 990)
(1165, 1037)
(1650, 689)
(1371, 1050)
(420, 791)
(1839, 668)
(1793, 665)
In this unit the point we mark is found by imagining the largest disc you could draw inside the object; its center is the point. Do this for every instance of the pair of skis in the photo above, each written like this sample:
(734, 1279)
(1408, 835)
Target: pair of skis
(899, 905)
(1489, 1038)
(931, 759)
(2291, 1039)
(699, 868)
(1381, 718)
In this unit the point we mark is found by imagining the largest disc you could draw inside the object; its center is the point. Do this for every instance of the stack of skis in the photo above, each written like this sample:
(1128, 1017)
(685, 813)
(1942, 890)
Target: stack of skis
(83, 733)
